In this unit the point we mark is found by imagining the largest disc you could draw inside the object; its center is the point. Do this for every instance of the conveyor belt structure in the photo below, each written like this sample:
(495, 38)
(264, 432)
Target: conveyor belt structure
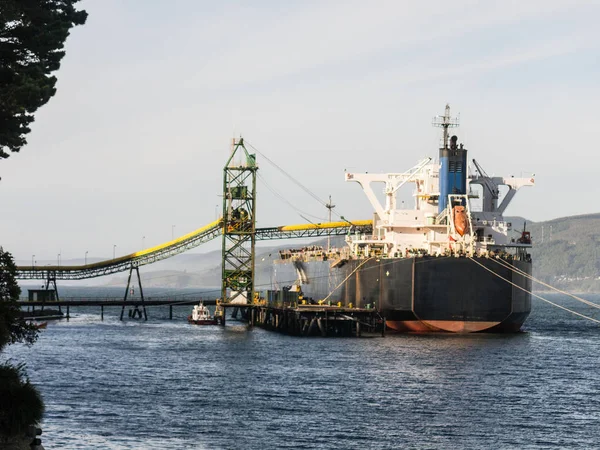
(184, 243)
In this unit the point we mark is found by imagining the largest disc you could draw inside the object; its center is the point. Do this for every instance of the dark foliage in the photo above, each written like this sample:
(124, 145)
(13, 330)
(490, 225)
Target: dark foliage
(32, 36)
(20, 402)
(12, 326)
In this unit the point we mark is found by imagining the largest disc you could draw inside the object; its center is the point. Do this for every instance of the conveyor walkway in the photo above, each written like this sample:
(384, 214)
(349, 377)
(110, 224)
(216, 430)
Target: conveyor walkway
(182, 244)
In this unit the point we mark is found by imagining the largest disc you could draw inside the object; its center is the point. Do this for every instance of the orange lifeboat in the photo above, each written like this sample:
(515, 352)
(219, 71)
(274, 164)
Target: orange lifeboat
(461, 224)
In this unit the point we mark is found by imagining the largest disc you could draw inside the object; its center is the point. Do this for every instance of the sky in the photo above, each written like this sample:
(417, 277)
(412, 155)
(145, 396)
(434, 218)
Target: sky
(131, 149)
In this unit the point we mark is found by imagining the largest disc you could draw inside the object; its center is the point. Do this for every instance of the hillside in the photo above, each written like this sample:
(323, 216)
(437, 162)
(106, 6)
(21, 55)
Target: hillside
(565, 254)
(193, 270)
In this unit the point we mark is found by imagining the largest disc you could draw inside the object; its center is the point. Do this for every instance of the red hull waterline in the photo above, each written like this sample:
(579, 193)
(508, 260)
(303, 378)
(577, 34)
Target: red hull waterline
(451, 326)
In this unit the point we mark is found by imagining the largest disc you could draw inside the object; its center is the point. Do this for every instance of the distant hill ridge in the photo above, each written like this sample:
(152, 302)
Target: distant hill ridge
(566, 254)
(576, 217)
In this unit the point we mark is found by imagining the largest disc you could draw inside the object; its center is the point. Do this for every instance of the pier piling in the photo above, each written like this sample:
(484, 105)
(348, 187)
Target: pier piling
(311, 320)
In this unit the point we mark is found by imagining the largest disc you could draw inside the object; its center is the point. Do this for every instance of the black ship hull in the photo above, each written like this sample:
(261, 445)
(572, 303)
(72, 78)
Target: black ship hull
(420, 294)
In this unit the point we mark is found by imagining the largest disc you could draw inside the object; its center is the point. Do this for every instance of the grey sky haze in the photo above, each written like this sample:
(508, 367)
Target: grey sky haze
(150, 94)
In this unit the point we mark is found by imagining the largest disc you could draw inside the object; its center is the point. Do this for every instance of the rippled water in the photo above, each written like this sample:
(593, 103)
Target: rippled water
(165, 384)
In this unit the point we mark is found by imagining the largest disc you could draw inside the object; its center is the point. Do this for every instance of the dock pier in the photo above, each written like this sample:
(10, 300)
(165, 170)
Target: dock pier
(137, 307)
(286, 318)
(311, 320)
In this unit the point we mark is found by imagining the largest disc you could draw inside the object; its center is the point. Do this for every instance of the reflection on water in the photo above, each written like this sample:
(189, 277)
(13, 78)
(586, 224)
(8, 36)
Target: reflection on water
(166, 384)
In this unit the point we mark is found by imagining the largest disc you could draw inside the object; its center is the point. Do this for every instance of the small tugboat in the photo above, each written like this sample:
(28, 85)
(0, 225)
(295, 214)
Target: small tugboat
(201, 316)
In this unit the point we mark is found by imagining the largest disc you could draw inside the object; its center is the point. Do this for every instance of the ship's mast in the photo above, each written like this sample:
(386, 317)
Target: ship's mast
(329, 206)
(445, 122)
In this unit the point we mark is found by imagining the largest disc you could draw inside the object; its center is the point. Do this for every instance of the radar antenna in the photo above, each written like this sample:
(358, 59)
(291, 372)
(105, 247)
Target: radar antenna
(445, 122)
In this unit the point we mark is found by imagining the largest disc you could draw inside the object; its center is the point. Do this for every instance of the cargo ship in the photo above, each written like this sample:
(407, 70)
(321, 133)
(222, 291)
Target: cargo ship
(450, 263)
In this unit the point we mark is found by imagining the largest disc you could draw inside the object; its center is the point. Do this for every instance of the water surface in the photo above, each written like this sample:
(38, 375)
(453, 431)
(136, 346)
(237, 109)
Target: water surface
(164, 384)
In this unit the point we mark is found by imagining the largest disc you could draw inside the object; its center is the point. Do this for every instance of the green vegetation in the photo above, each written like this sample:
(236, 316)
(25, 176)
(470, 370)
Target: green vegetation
(566, 252)
(32, 35)
(20, 403)
(12, 326)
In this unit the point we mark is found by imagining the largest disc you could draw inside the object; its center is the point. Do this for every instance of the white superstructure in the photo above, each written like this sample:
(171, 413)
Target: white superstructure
(201, 313)
(423, 229)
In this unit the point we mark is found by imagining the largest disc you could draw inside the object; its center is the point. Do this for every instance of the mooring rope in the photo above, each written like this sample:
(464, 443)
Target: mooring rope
(349, 275)
(525, 274)
(535, 295)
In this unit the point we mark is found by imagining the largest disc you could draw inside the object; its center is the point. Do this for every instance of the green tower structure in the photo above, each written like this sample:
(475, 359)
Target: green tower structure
(239, 225)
